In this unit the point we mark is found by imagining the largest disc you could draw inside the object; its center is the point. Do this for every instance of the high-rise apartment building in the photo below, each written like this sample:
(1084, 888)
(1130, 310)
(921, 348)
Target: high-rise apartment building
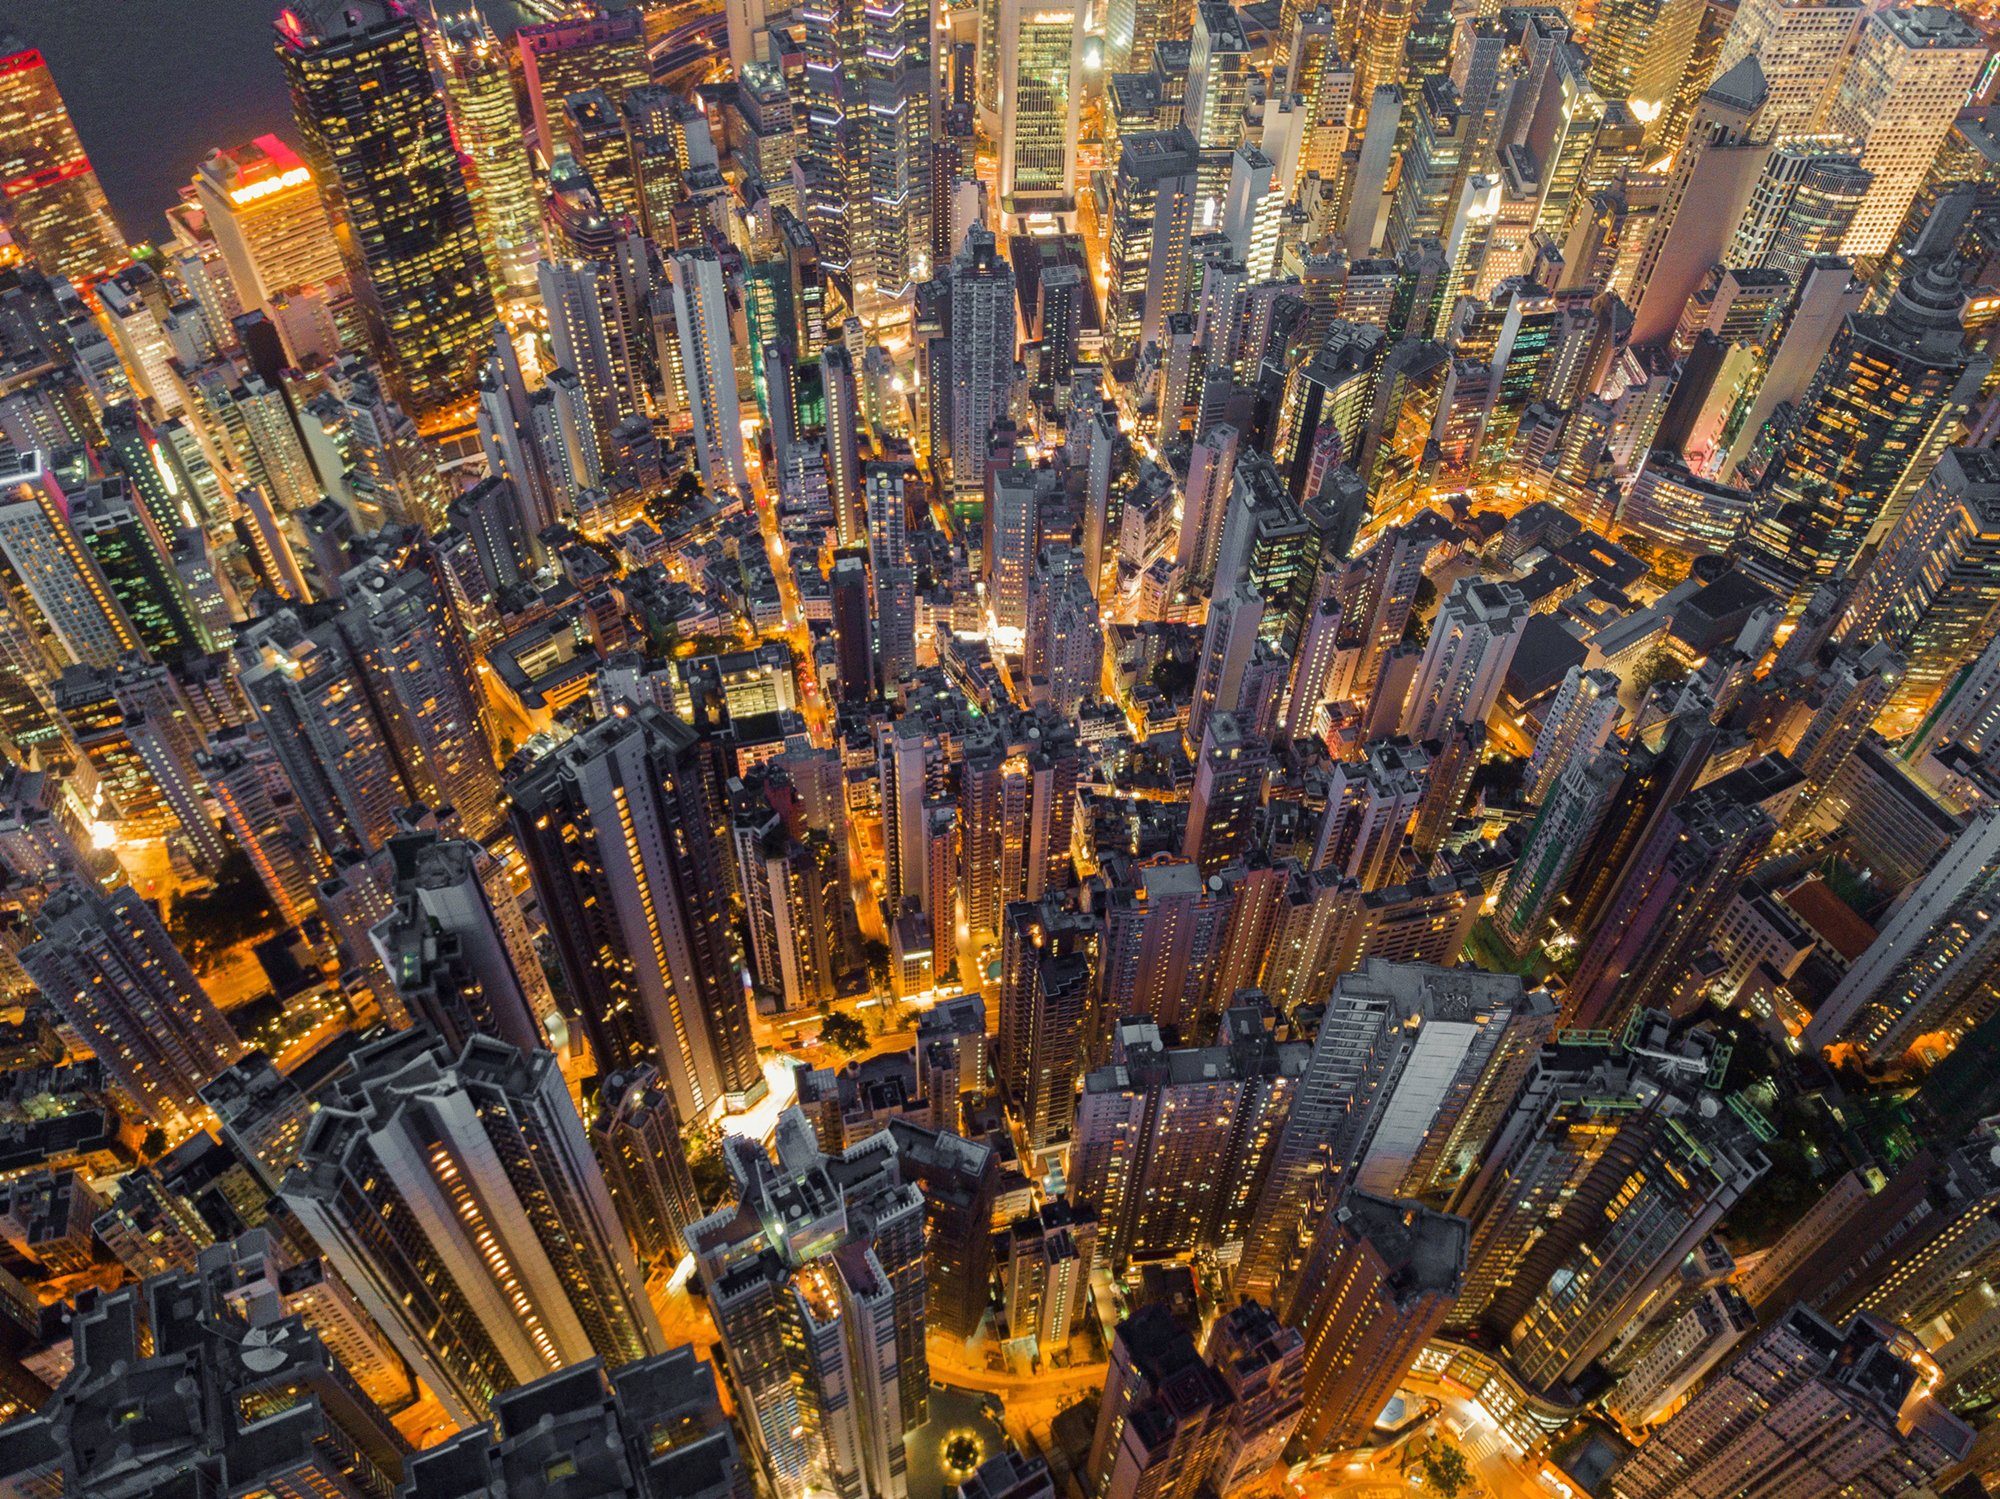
(1379, 1276)
(620, 834)
(651, 1429)
(1471, 645)
(458, 1198)
(107, 965)
(981, 366)
(1048, 980)
(701, 308)
(182, 1358)
(815, 1274)
(1412, 1070)
(379, 145)
(1928, 969)
(1805, 1408)
(1173, 1145)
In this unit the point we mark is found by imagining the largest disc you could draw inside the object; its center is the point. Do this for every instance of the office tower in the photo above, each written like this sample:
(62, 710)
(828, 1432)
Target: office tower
(1665, 906)
(982, 355)
(1471, 645)
(1881, 408)
(1050, 1255)
(1268, 539)
(637, 1137)
(1579, 722)
(1423, 197)
(1262, 1361)
(1800, 210)
(1912, 70)
(180, 1359)
(1804, 47)
(486, 123)
(108, 967)
(508, 1260)
(852, 513)
(1931, 589)
(1217, 85)
(124, 543)
(853, 639)
(1804, 1403)
(1020, 495)
(606, 52)
(619, 833)
(269, 221)
(867, 105)
(1640, 51)
(1164, 1417)
(1928, 970)
(815, 1275)
(652, 1429)
(1041, 91)
(1380, 1275)
(1572, 811)
(1172, 1145)
(1048, 977)
(378, 143)
(701, 309)
(1152, 215)
(56, 210)
(1726, 148)
(1228, 792)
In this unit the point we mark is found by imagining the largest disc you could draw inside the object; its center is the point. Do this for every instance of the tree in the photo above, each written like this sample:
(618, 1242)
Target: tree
(1446, 1469)
(843, 1033)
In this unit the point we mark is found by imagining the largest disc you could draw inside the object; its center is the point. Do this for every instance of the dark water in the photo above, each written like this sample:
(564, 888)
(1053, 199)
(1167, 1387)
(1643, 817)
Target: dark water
(154, 85)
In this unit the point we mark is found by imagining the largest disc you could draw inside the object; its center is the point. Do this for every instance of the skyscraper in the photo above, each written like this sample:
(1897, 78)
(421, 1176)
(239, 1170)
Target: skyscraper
(701, 308)
(55, 208)
(1040, 58)
(269, 221)
(637, 1137)
(982, 355)
(1048, 970)
(458, 1198)
(1913, 67)
(110, 970)
(378, 143)
(620, 836)
(1379, 1276)
(815, 1274)
(1881, 408)
(1804, 1404)
(1471, 645)
(479, 96)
